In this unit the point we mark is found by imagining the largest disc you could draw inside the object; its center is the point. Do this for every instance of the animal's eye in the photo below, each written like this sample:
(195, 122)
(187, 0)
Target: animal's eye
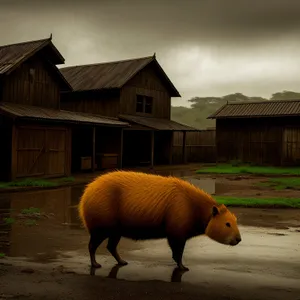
(228, 224)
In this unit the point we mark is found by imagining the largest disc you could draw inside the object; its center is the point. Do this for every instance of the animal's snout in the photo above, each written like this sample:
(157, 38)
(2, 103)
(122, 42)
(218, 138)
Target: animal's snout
(235, 241)
(238, 239)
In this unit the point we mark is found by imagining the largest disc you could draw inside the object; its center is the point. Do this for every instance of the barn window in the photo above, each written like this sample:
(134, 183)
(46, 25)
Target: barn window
(148, 105)
(144, 104)
(139, 103)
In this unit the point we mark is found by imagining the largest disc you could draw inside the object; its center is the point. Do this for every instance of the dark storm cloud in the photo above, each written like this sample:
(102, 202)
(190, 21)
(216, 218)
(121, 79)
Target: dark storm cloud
(177, 21)
(207, 47)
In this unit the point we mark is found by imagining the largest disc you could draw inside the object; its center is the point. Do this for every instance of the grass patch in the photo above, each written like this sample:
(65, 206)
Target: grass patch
(259, 202)
(65, 179)
(9, 221)
(30, 211)
(292, 183)
(248, 169)
(31, 182)
(2, 255)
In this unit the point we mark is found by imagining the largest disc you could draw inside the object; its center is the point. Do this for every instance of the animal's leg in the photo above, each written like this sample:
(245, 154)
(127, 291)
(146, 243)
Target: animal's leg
(112, 244)
(96, 238)
(177, 247)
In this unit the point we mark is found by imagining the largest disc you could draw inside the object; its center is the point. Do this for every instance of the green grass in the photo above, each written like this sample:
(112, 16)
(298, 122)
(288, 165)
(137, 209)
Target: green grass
(30, 211)
(31, 182)
(2, 255)
(292, 183)
(9, 220)
(247, 169)
(279, 202)
(65, 179)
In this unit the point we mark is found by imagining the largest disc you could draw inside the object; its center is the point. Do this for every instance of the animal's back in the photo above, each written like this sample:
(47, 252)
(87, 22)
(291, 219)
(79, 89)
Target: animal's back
(127, 199)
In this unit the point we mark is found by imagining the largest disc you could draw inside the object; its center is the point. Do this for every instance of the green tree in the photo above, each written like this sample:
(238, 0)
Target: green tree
(285, 95)
(202, 107)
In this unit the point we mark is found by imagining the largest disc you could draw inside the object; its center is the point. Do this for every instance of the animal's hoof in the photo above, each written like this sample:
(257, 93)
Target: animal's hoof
(122, 263)
(96, 265)
(183, 268)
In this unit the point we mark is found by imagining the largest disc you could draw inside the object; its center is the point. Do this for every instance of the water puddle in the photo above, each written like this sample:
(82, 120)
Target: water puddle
(43, 226)
(208, 185)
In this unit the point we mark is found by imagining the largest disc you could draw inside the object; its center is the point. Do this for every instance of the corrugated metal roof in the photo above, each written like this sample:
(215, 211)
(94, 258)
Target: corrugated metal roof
(109, 75)
(157, 123)
(14, 54)
(276, 108)
(40, 113)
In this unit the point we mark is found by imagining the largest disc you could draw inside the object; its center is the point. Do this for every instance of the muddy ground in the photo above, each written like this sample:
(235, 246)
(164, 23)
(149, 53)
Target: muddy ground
(46, 253)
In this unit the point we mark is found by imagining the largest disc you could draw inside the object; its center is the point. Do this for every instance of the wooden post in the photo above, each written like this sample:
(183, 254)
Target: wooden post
(261, 148)
(94, 149)
(14, 153)
(216, 145)
(152, 148)
(184, 147)
(171, 148)
(121, 149)
(69, 152)
(282, 131)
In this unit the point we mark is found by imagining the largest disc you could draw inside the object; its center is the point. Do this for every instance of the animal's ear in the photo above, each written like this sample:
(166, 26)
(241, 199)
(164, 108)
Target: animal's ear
(215, 211)
(222, 208)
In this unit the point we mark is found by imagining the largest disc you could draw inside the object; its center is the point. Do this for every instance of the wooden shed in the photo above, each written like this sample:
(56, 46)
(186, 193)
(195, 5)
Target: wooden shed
(263, 133)
(36, 135)
(137, 91)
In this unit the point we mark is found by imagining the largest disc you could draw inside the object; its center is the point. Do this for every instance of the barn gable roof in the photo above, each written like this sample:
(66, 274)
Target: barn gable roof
(13, 55)
(271, 108)
(111, 75)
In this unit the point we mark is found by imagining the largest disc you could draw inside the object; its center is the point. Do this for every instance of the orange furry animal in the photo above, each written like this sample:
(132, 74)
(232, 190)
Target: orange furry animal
(143, 206)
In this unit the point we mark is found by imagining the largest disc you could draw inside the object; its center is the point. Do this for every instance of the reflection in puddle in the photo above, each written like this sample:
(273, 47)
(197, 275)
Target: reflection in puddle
(25, 233)
(54, 229)
(208, 185)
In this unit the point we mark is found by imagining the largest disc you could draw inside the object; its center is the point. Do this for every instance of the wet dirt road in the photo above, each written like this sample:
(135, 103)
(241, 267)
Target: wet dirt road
(46, 257)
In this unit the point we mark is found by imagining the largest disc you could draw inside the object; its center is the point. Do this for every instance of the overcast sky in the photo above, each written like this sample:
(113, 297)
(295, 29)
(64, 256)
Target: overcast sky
(207, 47)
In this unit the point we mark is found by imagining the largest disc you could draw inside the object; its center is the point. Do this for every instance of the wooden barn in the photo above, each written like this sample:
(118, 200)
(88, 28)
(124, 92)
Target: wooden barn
(36, 135)
(137, 91)
(263, 133)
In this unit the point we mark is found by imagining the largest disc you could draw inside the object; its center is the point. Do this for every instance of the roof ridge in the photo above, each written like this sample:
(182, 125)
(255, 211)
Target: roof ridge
(22, 43)
(262, 102)
(108, 62)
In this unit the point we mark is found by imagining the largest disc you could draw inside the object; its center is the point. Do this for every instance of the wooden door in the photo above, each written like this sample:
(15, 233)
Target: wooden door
(56, 151)
(41, 151)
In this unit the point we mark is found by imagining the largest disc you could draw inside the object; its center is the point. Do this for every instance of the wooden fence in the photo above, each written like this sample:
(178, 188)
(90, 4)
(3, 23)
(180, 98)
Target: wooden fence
(200, 146)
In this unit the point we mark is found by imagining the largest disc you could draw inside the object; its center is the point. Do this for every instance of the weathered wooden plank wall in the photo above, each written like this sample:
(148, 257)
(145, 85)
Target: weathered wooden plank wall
(148, 83)
(95, 102)
(41, 151)
(32, 84)
(200, 146)
(259, 142)
(291, 146)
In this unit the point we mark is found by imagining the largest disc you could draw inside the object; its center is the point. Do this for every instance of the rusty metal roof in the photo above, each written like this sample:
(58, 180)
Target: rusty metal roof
(274, 108)
(39, 113)
(110, 75)
(157, 123)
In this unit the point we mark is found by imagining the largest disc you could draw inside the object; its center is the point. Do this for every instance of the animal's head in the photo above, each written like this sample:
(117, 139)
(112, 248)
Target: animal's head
(223, 227)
